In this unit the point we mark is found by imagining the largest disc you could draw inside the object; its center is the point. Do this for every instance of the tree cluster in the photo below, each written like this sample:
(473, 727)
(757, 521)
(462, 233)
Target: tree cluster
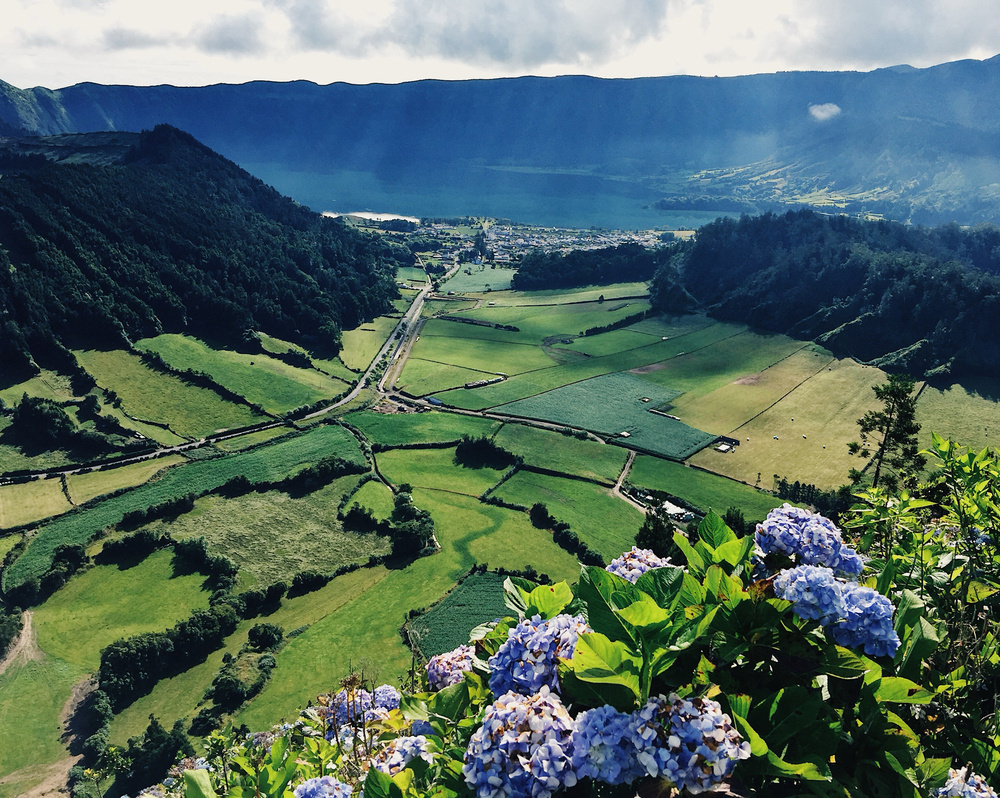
(624, 263)
(910, 299)
(482, 452)
(173, 238)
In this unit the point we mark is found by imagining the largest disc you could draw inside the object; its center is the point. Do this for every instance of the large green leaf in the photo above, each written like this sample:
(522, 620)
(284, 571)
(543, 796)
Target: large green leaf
(646, 615)
(713, 532)
(734, 552)
(548, 600)
(725, 589)
(379, 785)
(515, 594)
(596, 590)
(603, 661)
(843, 663)
(451, 702)
(918, 642)
(197, 784)
(695, 562)
(662, 584)
(902, 691)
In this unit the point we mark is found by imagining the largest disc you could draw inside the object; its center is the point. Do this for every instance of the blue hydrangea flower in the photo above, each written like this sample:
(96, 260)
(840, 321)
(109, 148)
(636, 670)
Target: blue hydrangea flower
(602, 750)
(398, 753)
(527, 659)
(963, 784)
(808, 538)
(385, 696)
(323, 787)
(524, 748)
(690, 742)
(814, 592)
(867, 622)
(633, 564)
(444, 670)
(421, 727)
(350, 707)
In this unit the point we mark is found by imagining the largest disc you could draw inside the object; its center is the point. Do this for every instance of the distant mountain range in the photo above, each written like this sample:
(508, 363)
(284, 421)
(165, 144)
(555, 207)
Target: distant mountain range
(920, 145)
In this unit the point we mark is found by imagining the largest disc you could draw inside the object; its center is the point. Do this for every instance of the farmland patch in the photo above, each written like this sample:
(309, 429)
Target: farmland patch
(27, 502)
(90, 485)
(445, 626)
(435, 469)
(566, 454)
(400, 429)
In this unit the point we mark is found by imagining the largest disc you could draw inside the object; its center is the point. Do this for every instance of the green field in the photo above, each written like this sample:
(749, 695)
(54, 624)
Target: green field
(446, 625)
(612, 404)
(90, 485)
(563, 453)
(481, 355)
(364, 631)
(704, 491)
(423, 377)
(335, 368)
(273, 536)
(92, 610)
(7, 542)
(252, 438)
(966, 413)
(448, 327)
(813, 447)
(362, 344)
(436, 469)
(14, 458)
(433, 307)
(400, 429)
(604, 522)
(643, 360)
(46, 384)
(480, 277)
(266, 463)
(147, 394)
(565, 296)
(27, 502)
(374, 496)
(411, 274)
(262, 380)
(541, 322)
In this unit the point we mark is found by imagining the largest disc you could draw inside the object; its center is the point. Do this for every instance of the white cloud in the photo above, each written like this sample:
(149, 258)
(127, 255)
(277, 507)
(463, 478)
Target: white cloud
(824, 111)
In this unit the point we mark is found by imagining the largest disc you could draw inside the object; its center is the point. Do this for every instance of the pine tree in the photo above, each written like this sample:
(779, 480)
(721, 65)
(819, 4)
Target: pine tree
(889, 435)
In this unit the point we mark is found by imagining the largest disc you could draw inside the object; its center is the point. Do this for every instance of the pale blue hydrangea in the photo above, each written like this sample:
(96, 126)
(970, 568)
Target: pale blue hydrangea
(602, 750)
(867, 622)
(444, 670)
(421, 727)
(808, 538)
(528, 657)
(524, 748)
(350, 707)
(323, 787)
(814, 591)
(690, 742)
(633, 564)
(399, 752)
(962, 784)
(385, 696)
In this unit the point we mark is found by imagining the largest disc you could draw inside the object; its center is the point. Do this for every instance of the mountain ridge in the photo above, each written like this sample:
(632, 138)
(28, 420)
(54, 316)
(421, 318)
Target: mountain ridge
(917, 145)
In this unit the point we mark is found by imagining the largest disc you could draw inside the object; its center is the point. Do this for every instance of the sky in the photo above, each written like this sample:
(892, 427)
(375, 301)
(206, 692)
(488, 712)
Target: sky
(56, 43)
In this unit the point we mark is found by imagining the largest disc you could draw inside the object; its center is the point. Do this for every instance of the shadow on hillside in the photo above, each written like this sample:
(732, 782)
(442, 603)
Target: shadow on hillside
(983, 387)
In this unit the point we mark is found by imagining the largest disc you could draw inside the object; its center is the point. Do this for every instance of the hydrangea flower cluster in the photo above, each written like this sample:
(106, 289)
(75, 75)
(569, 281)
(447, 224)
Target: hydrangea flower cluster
(351, 709)
(808, 538)
(853, 615)
(633, 564)
(602, 746)
(691, 742)
(323, 787)
(815, 592)
(963, 784)
(523, 748)
(444, 670)
(398, 753)
(527, 660)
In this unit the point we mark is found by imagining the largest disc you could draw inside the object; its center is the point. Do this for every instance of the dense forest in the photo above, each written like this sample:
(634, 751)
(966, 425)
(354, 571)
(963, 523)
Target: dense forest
(623, 263)
(168, 236)
(921, 300)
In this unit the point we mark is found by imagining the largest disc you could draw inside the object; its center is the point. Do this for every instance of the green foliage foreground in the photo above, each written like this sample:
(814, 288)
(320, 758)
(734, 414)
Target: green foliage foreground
(658, 679)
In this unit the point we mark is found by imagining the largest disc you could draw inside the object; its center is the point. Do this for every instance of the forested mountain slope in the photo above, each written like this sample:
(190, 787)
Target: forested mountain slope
(111, 237)
(906, 298)
(915, 144)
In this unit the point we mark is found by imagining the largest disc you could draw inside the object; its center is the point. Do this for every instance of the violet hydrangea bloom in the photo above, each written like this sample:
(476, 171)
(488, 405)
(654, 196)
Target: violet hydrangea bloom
(689, 741)
(867, 622)
(813, 590)
(444, 670)
(528, 657)
(524, 748)
(633, 564)
(962, 784)
(350, 707)
(808, 538)
(399, 752)
(602, 750)
(323, 787)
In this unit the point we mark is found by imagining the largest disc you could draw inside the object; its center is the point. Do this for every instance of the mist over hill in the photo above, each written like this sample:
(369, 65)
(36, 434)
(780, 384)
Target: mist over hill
(917, 145)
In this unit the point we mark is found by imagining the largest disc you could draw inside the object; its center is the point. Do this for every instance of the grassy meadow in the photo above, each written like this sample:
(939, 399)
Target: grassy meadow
(445, 626)
(362, 343)
(565, 454)
(401, 429)
(28, 502)
(188, 410)
(91, 484)
(260, 379)
(435, 469)
(374, 496)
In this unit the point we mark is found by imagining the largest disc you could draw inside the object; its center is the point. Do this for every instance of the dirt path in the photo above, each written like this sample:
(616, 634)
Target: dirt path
(53, 777)
(25, 648)
(617, 489)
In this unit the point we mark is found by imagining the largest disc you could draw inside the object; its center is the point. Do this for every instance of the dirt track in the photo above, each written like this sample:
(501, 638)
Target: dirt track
(25, 648)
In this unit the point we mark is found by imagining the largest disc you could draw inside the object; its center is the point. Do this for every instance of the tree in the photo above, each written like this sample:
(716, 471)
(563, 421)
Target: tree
(889, 435)
(657, 534)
